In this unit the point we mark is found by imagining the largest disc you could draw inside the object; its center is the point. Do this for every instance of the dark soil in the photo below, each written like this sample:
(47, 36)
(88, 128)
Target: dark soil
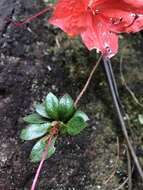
(36, 59)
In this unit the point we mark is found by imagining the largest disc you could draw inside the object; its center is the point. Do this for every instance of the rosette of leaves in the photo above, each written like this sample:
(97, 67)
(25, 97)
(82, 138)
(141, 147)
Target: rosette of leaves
(71, 121)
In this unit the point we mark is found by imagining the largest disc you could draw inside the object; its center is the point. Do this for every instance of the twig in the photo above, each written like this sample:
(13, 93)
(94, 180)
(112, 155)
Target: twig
(30, 19)
(53, 133)
(129, 170)
(41, 163)
(116, 163)
(136, 161)
(126, 180)
(122, 185)
(126, 86)
(87, 82)
(120, 116)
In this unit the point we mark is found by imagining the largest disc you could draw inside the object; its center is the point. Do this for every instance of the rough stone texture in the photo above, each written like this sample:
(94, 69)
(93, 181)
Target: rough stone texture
(36, 59)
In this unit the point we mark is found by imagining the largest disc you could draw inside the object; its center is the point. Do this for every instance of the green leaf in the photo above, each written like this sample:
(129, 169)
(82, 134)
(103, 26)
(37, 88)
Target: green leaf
(63, 128)
(39, 148)
(52, 104)
(52, 1)
(66, 107)
(81, 114)
(75, 126)
(41, 110)
(140, 118)
(34, 119)
(34, 131)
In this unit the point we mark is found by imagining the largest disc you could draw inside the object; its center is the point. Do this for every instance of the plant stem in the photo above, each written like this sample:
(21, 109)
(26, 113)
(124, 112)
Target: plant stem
(116, 163)
(30, 19)
(119, 109)
(87, 82)
(41, 162)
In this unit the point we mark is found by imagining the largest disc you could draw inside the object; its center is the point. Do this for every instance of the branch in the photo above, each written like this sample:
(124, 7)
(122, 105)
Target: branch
(41, 163)
(116, 163)
(53, 133)
(87, 82)
(30, 19)
(120, 111)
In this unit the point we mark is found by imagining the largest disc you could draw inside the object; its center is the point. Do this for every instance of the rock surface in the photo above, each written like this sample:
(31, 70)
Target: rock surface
(36, 59)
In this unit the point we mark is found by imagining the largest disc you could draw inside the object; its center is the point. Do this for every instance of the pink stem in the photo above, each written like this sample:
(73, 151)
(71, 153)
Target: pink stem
(41, 163)
(18, 24)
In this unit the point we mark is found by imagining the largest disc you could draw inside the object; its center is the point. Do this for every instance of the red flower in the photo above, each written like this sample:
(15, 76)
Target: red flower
(99, 21)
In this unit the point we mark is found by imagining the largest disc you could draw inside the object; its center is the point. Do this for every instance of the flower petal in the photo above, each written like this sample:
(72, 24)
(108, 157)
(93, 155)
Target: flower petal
(98, 36)
(134, 3)
(70, 16)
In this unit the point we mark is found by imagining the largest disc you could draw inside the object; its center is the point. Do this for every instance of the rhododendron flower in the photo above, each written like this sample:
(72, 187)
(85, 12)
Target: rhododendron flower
(99, 22)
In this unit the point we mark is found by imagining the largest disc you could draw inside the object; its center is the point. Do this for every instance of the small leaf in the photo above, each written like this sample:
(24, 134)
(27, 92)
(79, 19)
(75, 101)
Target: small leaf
(81, 114)
(34, 119)
(52, 1)
(52, 104)
(66, 107)
(39, 148)
(140, 118)
(34, 131)
(41, 110)
(75, 126)
(63, 129)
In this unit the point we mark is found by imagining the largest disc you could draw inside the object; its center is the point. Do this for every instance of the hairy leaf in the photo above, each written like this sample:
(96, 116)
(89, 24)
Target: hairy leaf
(34, 131)
(66, 107)
(39, 148)
(75, 126)
(34, 119)
(52, 104)
(81, 114)
(41, 110)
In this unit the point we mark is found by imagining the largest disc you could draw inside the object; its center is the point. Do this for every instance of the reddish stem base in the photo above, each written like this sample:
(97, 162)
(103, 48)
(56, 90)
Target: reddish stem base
(53, 133)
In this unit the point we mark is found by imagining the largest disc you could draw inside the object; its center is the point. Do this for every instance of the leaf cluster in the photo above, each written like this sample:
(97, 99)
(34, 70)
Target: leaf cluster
(70, 121)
